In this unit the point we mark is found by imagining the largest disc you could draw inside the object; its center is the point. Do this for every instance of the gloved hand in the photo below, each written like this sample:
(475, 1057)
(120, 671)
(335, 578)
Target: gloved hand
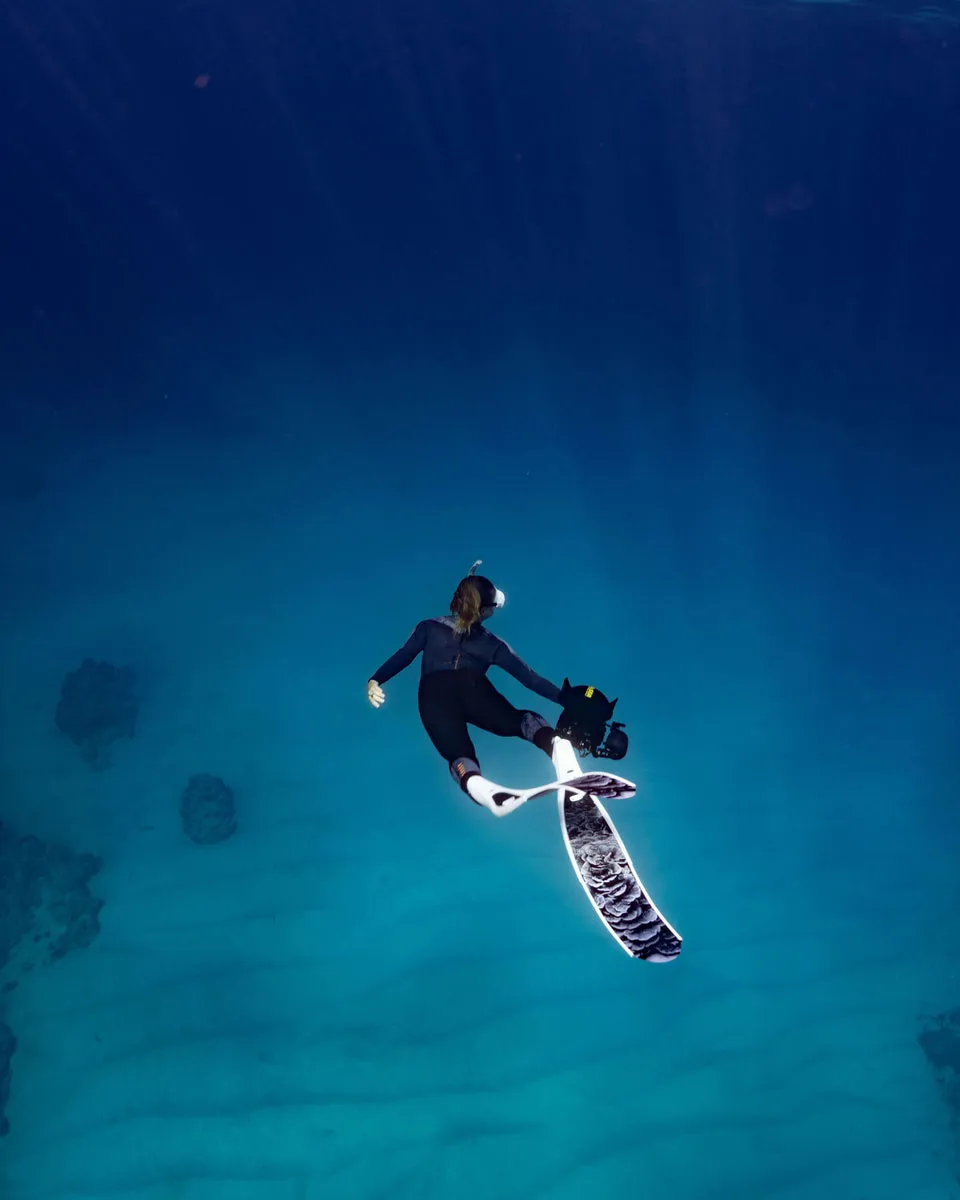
(375, 693)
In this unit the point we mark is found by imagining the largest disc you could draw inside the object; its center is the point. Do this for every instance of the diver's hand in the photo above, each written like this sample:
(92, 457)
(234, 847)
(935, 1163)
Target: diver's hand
(375, 693)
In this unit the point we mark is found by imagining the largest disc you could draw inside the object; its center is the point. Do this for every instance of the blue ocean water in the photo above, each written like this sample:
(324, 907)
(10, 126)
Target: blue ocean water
(654, 308)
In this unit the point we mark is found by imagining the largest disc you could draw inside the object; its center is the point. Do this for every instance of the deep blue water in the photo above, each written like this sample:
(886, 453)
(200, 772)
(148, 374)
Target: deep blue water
(654, 308)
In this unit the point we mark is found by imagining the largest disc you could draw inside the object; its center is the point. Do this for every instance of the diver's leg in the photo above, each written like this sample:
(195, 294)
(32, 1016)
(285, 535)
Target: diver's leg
(487, 709)
(535, 729)
(441, 712)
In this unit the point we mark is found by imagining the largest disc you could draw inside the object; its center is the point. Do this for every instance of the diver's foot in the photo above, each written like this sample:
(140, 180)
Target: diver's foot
(500, 801)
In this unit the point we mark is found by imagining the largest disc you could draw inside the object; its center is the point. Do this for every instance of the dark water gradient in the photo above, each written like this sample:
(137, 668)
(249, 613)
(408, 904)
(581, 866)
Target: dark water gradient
(302, 307)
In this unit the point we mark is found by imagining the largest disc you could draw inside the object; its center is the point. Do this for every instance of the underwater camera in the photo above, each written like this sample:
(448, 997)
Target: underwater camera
(585, 719)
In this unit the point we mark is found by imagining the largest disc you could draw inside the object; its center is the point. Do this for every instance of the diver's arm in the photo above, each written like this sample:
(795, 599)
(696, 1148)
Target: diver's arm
(504, 657)
(403, 657)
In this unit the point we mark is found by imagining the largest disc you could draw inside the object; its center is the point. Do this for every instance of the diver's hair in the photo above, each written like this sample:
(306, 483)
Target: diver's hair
(465, 605)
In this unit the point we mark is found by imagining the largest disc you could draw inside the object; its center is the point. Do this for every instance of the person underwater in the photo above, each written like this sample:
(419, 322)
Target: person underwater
(454, 692)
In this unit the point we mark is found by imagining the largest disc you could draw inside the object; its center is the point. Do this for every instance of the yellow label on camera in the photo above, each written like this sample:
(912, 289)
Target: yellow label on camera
(589, 692)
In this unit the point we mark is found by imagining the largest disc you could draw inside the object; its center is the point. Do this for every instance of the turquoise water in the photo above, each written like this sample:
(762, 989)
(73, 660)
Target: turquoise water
(654, 311)
(374, 987)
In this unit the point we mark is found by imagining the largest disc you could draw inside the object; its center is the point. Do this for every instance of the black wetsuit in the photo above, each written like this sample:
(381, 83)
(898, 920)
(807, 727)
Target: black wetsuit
(454, 689)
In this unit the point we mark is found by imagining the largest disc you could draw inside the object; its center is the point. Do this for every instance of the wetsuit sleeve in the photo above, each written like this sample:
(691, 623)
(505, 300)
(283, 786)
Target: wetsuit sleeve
(404, 656)
(504, 657)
